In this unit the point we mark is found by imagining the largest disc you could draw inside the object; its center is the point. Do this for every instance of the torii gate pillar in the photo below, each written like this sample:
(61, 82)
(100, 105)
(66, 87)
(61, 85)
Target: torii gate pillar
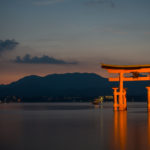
(121, 103)
(115, 93)
(148, 97)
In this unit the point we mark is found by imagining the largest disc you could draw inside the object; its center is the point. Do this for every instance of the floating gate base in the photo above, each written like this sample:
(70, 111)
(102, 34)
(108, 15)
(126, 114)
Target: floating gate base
(119, 105)
(120, 101)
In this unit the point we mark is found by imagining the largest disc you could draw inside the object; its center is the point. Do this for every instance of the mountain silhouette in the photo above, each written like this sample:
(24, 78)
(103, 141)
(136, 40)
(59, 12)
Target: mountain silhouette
(68, 84)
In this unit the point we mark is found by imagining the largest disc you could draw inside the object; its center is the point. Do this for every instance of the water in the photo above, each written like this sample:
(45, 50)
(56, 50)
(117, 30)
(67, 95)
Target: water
(73, 126)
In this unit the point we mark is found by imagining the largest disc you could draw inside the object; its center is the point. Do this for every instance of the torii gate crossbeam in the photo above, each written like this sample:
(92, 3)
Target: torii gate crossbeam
(120, 96)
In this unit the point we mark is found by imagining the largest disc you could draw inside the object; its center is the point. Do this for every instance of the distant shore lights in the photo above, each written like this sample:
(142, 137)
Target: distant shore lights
(119, 93)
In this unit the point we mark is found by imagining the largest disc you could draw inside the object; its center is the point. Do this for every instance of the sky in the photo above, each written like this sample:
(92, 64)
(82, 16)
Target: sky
(40, 37)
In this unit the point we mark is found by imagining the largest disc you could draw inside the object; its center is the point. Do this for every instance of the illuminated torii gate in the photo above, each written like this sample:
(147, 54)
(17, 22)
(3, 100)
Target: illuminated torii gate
(120, 95)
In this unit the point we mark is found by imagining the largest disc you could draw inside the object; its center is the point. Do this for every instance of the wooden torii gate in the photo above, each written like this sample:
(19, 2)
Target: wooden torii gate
(120, 102)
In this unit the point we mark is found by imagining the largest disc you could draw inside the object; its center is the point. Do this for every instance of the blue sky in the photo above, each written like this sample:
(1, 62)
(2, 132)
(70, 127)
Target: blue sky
(85, 31)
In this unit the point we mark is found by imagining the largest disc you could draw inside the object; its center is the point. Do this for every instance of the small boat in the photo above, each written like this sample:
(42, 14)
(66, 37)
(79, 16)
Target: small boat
(98, 100)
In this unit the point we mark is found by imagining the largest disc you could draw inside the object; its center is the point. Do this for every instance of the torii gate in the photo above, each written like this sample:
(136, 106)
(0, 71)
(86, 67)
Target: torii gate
(120, 95)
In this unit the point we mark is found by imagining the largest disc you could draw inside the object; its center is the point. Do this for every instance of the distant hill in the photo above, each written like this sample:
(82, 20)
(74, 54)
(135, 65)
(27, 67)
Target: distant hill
(68, 84)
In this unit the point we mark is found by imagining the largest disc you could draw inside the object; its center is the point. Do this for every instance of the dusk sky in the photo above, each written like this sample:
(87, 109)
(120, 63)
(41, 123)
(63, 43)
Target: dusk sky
(42, 37)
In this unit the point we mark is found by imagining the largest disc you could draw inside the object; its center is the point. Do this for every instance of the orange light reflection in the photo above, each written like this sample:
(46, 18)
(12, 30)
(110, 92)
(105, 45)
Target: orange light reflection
(120, 130)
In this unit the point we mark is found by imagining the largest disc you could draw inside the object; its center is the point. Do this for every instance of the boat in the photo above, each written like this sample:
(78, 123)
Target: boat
(98, 101)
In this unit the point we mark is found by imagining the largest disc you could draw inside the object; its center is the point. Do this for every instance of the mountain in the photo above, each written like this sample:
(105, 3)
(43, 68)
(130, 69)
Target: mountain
(68, 84)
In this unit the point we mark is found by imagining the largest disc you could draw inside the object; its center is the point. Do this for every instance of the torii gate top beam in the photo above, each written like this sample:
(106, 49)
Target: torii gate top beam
(126, 68)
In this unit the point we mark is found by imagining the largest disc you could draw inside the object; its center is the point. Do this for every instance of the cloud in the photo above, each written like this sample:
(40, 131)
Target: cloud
(47, 2)
(41, 60)
(100, 2)
(7, 45)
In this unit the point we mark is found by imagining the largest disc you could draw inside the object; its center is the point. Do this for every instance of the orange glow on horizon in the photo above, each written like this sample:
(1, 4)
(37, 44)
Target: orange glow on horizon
(12, 77)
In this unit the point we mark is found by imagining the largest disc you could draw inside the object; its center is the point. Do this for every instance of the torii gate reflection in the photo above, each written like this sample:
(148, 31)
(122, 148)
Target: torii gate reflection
(120, 93)
(130, 135)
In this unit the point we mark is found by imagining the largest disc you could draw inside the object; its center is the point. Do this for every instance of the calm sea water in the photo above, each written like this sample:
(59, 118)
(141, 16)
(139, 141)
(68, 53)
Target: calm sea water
(73, 126)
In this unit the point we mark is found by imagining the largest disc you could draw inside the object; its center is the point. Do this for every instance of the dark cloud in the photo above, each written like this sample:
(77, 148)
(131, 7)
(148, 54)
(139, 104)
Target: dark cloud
(7, 45)
(41, 60)
(100, 2)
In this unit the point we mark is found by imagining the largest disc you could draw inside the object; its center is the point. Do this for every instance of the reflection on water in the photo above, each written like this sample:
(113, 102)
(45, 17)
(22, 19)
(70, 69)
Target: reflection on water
(75, 126)
(131, 133)
(120, 130)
